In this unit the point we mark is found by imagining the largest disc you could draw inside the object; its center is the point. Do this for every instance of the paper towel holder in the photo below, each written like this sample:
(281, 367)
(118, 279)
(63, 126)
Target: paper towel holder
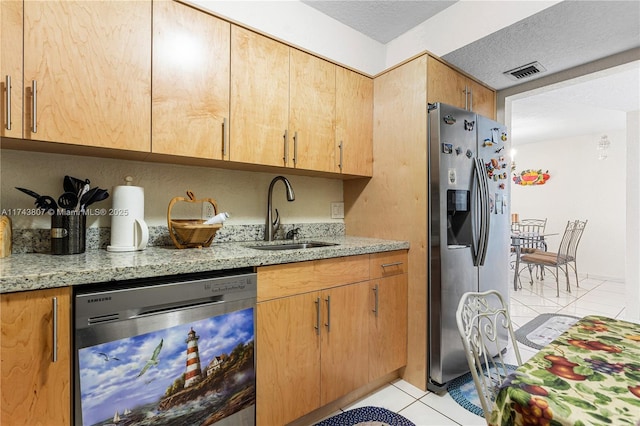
(129, 231)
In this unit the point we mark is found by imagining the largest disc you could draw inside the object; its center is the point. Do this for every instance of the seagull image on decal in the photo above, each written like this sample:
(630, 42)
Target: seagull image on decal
(106, 357)
(153, 361)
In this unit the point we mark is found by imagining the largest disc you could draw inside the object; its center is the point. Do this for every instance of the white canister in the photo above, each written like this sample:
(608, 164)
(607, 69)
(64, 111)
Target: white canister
(129, 231)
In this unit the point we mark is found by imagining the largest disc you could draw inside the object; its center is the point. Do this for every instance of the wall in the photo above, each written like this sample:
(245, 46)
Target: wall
(242, 194)
(581, 187)
(632, 249)
(303, 26)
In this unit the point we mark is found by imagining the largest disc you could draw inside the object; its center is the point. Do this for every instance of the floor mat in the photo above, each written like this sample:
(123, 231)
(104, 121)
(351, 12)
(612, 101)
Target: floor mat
(541, 330)
(369, 416)
(463, 391)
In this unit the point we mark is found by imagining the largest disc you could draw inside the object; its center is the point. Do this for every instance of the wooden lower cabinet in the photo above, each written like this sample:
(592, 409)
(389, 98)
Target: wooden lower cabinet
(311, 349)
(323, 343)
(287, 359)
(387, 342)
(345, 344)
(35, 388)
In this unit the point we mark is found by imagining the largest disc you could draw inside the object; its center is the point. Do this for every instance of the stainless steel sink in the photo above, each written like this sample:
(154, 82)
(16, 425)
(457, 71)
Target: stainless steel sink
(293, 246)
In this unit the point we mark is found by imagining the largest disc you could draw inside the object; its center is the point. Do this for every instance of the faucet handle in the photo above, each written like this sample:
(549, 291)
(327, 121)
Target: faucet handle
(292, 234)
(276, 222)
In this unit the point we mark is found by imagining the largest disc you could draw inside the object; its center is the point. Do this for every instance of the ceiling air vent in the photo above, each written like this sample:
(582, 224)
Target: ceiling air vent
(525, 71)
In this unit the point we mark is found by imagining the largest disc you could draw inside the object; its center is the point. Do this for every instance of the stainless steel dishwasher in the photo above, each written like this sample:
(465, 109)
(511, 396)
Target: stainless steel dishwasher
(166, 351)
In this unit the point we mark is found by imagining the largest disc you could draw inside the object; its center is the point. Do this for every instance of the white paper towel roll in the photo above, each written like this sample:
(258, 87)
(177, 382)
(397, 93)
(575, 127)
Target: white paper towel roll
(129, 231)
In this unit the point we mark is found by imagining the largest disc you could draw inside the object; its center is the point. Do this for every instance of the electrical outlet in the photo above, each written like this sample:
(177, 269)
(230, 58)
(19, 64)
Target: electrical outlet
(337, 210)
(207, 211)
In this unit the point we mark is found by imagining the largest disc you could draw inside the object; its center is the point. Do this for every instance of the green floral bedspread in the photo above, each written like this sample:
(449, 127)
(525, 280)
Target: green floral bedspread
(589, 375)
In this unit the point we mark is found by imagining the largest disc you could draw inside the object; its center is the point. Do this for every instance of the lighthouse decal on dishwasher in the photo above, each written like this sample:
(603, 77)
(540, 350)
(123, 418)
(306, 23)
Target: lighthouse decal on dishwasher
(194, 373)
(158, 378)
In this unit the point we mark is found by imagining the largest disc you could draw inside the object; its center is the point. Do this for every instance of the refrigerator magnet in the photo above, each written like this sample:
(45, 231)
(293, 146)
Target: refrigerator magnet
(494, 135)
(447, 148)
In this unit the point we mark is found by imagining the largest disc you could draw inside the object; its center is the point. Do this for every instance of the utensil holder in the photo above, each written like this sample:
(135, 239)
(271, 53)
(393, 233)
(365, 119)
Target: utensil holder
(68, 233)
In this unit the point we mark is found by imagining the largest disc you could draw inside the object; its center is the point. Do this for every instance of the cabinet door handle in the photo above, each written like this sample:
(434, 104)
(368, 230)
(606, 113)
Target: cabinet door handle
(466, 99)
(225, 138)
(471, 101)
(286, 147)
(295, 149)
(34, 106)
(388, 265)
(376, 304)
(328, 323)
(55, 330)
(317, 326)
(341, 156)
(8, 85)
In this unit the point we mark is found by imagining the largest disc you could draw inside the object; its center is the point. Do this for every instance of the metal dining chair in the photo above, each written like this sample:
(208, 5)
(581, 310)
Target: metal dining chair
(573, 247)
(558, 261)
(533, 227)
(572, 253)
(485, 328)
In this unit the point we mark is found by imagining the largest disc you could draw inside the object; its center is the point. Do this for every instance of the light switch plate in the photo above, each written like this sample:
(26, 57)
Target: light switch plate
(337, 210)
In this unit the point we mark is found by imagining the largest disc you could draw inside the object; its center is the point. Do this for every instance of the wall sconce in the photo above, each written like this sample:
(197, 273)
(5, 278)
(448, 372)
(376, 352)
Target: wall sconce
(603, 146)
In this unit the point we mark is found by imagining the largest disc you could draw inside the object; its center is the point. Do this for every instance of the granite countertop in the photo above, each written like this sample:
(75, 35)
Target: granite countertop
(39, 271)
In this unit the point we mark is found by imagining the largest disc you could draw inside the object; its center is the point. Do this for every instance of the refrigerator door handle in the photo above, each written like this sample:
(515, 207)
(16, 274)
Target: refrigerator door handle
(477, 213)
(483, 211)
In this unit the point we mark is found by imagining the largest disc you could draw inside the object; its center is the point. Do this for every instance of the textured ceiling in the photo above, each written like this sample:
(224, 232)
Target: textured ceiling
(380, 20)
(565, 35)
(591, 105)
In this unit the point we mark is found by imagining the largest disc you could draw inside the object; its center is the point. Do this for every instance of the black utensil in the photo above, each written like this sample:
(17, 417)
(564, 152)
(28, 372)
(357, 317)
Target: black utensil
(75, 185)
(68, 184)
(85, 188)
(29, 192)
(87, 197)
(99, 195)
(42, 201)
(68, 200)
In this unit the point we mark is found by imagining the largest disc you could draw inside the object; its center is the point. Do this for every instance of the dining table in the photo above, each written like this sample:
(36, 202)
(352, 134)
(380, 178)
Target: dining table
(588, 375)
(531, 239)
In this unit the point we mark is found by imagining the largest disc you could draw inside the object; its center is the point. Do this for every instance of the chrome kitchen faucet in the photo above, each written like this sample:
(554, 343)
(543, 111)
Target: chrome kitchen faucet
(271, 226)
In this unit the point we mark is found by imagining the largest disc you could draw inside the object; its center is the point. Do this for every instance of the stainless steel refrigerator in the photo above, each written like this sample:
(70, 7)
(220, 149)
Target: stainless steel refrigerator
(468, 226)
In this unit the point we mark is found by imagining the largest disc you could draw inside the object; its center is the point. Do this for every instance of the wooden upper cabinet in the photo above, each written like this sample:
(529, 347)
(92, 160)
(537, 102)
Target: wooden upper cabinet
(312, 112)
(259, 98)
(35, 387)
(11, 68)
(354, 123)
(483, 99)
(446, 85)
(190, 78)
(91, 63)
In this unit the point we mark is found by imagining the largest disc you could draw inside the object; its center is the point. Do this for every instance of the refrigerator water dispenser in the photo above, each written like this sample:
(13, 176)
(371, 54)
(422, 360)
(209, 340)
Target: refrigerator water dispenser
(459, 228)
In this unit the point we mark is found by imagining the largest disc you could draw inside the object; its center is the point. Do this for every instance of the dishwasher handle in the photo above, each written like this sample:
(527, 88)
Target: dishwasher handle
(216, 300)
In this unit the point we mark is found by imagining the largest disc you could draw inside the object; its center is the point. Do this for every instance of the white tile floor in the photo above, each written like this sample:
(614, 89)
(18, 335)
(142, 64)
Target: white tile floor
(427, 408)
